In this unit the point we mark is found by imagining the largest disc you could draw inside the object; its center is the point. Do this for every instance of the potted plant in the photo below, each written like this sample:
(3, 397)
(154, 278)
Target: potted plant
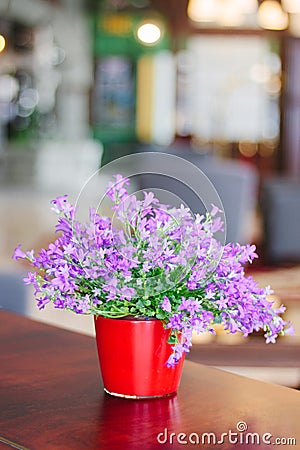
(151, 275)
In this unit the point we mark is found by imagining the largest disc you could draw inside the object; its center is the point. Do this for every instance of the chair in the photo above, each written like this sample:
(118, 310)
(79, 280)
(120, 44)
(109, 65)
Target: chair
(13, 292)
(280, 206)
(235, 182)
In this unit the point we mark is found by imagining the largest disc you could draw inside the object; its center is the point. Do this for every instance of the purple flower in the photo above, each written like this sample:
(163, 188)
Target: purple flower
(59, 303)
(190, 305)
(60, 204)
(42, 302)
(155, 252)
(270, 338)
(215, 210)
(126, 293)
(83, 305)
(31, 278)
(222, 302)
(178, 351)
(116, 190)
(166, 305)
(176, 322)
(18, 254)
(248, 253)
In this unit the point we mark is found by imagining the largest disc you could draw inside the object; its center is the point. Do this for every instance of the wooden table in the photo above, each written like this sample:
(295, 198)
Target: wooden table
(51, 398)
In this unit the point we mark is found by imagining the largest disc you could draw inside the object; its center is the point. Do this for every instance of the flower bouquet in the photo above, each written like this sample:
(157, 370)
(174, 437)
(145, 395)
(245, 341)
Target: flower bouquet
(152, 261)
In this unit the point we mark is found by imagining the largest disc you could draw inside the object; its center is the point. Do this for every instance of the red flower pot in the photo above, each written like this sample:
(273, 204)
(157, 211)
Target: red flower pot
(133, 354)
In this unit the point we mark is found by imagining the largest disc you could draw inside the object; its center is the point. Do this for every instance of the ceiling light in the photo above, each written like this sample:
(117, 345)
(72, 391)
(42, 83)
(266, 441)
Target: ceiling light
(149, 33)
(2, 43)
(271, 16)
(203, 10)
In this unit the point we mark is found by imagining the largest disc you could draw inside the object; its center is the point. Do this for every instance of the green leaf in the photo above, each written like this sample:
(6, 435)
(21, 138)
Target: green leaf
(172, 339)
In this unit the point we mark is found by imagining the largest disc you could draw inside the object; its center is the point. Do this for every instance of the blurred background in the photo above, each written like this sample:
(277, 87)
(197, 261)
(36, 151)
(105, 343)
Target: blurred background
(83, 82)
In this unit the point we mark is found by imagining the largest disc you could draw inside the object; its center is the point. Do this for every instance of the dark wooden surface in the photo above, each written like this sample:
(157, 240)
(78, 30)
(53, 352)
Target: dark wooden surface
(51, 398)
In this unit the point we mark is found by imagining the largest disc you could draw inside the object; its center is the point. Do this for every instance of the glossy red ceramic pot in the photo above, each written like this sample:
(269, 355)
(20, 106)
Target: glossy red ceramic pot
(133, 354)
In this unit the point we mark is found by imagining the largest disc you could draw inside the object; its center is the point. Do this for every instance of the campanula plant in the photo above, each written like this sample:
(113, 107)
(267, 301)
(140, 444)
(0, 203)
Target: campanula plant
(152, 261)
